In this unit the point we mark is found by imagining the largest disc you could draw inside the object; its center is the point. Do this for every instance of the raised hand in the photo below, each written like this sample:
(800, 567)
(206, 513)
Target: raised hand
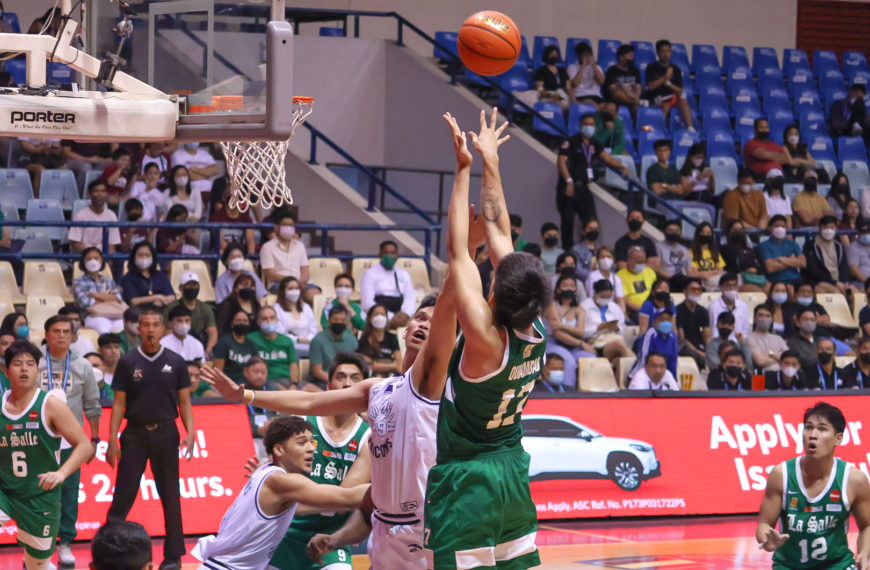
(460, 145)
(487, 141)
(222, 383)
(773, 540)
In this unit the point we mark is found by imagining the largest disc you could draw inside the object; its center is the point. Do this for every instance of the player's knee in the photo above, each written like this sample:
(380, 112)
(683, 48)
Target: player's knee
(33, 563)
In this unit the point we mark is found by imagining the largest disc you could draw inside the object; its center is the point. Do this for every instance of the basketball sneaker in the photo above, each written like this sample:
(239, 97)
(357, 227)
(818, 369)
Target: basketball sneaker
(65, 556)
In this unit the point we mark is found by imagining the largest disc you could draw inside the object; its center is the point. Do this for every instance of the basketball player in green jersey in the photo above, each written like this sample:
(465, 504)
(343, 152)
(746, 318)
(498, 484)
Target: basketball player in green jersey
(811, 496)
(479, 511)
(32, 424)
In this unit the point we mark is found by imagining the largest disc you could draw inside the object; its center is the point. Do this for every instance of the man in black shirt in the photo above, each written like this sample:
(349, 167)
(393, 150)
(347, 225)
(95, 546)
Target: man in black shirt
(693, 324)
(151, 387)
(622, 81)
(664, 85)
(857, 374)
(732, 375)
(575, 164)
(789, 376)
(633, 238)
(824, 374)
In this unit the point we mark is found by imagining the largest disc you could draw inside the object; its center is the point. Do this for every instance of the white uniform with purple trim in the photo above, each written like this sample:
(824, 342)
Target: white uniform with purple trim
(247, 537)
(403, 446)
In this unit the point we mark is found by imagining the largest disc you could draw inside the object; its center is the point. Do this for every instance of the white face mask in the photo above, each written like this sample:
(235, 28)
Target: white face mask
(292, 295)
(343, 292)
(379, 322)
(133, 329)
(778, 232)
(605, 263)
(286, 232)
(746, 188)
(180, 329)
(587, 130)
(793, 140)
(93, 265)
(236, 264)
(789, 371)
(602, 301)
(697, 162)
(730, 295)
(828, 234)
(98, 375)
(181, 181)
(144, 262)
(693, 298)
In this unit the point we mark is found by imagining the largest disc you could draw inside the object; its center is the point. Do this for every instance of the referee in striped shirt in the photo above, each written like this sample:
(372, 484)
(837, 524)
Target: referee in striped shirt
(152, 387)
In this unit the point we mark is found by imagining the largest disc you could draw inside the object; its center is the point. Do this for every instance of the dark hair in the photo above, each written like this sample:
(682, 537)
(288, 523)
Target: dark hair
(521, 290)
(828, 412)
(121, 545)
(662, 43)
(757, 122)
(344, 276)
(547, 226)
(734, 352)
(861, 341)
(119, 152)
(744, 172)
(282, 214)
(559, 281)
(51, 321)
(805, 283)
(179, 310)
(673, 222)
(176, 212)
(565, 255)
(107, 339)
(282, 428)
(696, 148)
(728, 278)
(8, 332)
(601, 286)
(196, 363)
(428, 301)
(585, 116)
(731, 223)
(661, 143)
(775, 183)
(777, 218)
(94, 183)
(348, 357)
(653, 353)
(761, 307)
(149, 166)
(858, 87)
(515, 220)
(725, 318)
(170, 182)
(256, 360)
(632, 211)
(132, 204)
(387, 242)
(339, 309)
(581, 48)
(86, 251)
(374, 344)
(697, 253)
(827, 219)
(788, 354)
(90, 354)
(550, 49)
(694, 280)
(131, 315)
(21, 346)
(866, 286)
(624, 49)
(135, 249)
(553, 356)
(282, 289)
(151, 309)
(532, 249)
(231, 247)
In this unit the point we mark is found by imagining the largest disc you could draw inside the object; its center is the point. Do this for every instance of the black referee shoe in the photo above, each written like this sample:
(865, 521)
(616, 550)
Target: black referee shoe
(170, 564)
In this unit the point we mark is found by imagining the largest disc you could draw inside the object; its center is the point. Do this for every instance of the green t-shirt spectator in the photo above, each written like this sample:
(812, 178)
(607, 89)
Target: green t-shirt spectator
(202, 389)
(235, 355)
(278, 353)
(613, 140)
(521, 243)
(126, 345)
(324, 347)
(201, 317)
(357, 319)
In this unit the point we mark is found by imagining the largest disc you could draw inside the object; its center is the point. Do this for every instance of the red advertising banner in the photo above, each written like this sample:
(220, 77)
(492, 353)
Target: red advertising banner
(669, 456)
(209, 482)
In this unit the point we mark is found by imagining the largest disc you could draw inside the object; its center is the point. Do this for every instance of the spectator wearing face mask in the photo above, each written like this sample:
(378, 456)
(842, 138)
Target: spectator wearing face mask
(202, 319)
(762, 154)
(745, 203)
(742, 259)
(551, 81)
(200, 165)
(732, 376)
(664, 85)
(675, 257)
(663, 178)
(327, 343)
(388, 285)
(144, 282)
(805, 343)
(566, 322)
(782, 257)
(233, 259)
(585, 77)
(606, 271)
(849, 115)
(698, 178)
(242, 298)
(584, 252)
(179, 191)
(148, 191)
(660, 337)
(622, 81)
(788, 377)
(693, 324)
(637, 280)
(635, 237)
(839, 197)
(858, 254)
(800, 158)
(550, 249)
(857, 374)
(775, 199)
(296, 317)
(658, 301)
(283, 255)
(609, 128)
(654, 374)
(765, 346)
(553, 379)
(344, 285)
(707, 262)
(379, 346)
(827, 265)
(234, 349)
(566, 264)
(277, 350)
(98, 294)
(808, 206)
(729, 302)
(180, 341)
(605, 324)
(725, 340)
(825, 375)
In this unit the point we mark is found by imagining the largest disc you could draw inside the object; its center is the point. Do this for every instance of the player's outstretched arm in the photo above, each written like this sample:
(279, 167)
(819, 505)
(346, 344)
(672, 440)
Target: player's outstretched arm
(771, 504)
(859, 491)
(292, 487)
(62, 421)
(492, 200)
(332, 402)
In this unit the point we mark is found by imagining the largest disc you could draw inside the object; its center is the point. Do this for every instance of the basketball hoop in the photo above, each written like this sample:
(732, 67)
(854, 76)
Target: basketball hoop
(256, 168)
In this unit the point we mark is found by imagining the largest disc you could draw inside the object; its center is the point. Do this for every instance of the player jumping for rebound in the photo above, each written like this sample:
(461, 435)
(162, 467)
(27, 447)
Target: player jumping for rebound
(31, 428)
(479, 511)
(811, 496)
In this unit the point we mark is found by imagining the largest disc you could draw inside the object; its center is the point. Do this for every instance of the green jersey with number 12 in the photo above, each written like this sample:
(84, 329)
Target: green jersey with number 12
(483, 415)
(816, 526)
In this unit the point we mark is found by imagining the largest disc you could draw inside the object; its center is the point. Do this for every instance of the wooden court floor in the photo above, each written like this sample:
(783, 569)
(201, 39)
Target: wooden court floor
(675, 543)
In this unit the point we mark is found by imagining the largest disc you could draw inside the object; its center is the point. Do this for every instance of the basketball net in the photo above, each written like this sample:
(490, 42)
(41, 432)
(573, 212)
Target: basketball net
(256, 168)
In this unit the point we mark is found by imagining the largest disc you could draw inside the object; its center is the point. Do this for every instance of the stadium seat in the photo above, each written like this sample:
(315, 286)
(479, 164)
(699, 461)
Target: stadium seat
(80, 204)
(651, 117)
(851, 148)
(304, 367)
(744, 124)
(854, 61)
(624, 366)
(47, 211)
(698, 212)
(823, 61)
(683, 141)
(8, 284)
(524, 58)
(752, 300)
(317, 306)
(12, 18)
(515, 79)
(446, 45)
(740, 78)
(859, 301)
(838, 309)
(812, 121)
(570, 45)
(332, 32)
(59, 185)
(607, 51)
(680, 58)
(538, 45)
(704, 55)
(807, 100)
(779, 119)
(627, 123)
(595, 375)
(613, 179)
(861, 76)
(552, 112)
(858, 175)
(734, 57)
(322, 271)
(646, 141)
(745, 96)
(708, 297)
(716, 118)
(6, 307)
(794, 59)
(17, 68)
(720, 143)
(416, 268)
(725, 170)
(677, 123)
(15, 187)
(206, 283)
(36, 242)
(821, 147)
(801, 81)
(10, 212)
(89, 334)
(40, 308)
(689, 375)
(575, 111)
(830, 97)
(45, 278)
(764, 58)
(708, 75)
(358, 266)
(770, 78)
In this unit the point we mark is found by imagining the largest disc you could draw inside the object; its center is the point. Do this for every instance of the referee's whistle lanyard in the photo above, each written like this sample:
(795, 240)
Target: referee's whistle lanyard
(65, 380)
(824, 381)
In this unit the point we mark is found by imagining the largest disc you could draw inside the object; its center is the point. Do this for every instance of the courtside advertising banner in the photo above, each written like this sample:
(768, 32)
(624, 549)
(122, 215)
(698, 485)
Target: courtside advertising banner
(209, 482)
(670, 456)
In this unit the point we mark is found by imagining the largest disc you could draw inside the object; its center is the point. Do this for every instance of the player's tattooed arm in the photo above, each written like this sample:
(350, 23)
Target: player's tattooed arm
(491, 207)
(492, 200)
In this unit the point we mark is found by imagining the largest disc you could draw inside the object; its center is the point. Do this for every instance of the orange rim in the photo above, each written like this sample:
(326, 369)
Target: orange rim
(302, 100)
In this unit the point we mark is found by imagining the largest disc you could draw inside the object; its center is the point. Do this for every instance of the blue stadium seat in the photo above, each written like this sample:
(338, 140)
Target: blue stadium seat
(708, 74)
(724, 169)
(851, 148)
(793, 59)
(575, 112)
(12, 18)
(713, 95)
(516, 79)
(683, 141)
(734, 57)
(677, 123)
(763, 58)
(41, 210)
(779, 119)
(447, 42)
(15, 187)
(606, 62)
(331, 32)
(680, 58)
(698, 212)
(858, 174)
(768, 79)
(607, 51)
(571, 44)
(553, 112)
(812, 121)
(538, 45)
(821, 147)
(774, 99)
(801, 81)
(716, 118)
(646, 139)
(861, 76)
(59, 73)
(642, 60)
(745, 121)
(703, 55)
(745, 96)
(824, 60)
(476, 80)
(524, 58)
(59, 185)
(720, 143)
(18, 69)
(831, 79)
(740, 78)
(807, 100)
(646, 51)
(628, 126)
(651, 117)
(854, 61)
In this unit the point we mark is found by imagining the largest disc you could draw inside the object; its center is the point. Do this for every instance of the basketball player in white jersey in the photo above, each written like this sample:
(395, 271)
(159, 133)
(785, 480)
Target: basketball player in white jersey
(259, 517)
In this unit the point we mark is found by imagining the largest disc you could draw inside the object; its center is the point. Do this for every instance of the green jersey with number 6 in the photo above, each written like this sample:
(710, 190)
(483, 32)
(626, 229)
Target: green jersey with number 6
(483, 415)
(27, 449)
(817, 526)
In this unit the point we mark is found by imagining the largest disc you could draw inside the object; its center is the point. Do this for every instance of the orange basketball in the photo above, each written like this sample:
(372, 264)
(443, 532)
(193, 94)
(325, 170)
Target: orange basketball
(489, 43)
